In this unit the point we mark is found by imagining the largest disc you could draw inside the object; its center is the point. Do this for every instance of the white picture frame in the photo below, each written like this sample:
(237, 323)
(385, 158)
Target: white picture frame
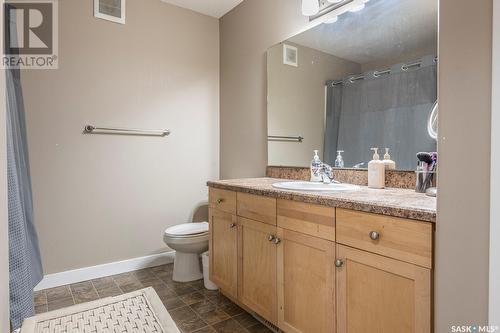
(290, 55)
(107, 17)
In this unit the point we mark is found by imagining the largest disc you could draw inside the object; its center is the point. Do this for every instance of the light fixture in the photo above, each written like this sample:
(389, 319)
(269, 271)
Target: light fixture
(331, 20)
(357, 7)
(310, 7)
(335, 1)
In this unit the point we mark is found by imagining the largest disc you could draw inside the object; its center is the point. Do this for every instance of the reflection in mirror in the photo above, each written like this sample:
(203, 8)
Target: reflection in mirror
(432, 124)
(366, 79)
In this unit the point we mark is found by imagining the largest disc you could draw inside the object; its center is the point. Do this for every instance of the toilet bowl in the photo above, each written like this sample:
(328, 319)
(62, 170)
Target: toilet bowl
(189, 240)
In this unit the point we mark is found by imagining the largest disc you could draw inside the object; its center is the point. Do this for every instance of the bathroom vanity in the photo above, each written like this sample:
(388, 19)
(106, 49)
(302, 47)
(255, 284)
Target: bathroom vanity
(351, 261)
(359, 261)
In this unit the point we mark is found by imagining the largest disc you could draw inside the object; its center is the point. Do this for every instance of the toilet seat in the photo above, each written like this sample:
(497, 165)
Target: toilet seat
(187, 230)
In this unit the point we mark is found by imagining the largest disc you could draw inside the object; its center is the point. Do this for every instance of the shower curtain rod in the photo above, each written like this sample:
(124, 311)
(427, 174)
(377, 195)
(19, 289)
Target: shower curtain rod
(378, 73)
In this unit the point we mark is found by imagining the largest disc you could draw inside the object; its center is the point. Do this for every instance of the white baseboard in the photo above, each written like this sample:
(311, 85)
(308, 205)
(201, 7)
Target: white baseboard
(112, 268)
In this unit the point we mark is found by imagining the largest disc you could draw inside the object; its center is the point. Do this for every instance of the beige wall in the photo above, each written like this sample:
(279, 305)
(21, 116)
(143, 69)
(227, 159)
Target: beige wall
(4, 223)
(296, 101)
(246, 33)
(103, 198)
(464, 84)
(464, 126)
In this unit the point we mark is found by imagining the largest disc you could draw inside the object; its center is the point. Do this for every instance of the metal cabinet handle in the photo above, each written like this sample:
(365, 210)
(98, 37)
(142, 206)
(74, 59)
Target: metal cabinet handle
(232, 225)
(219, 201)
(374, 235)
(270, 238)
(276, 240)
(339, 263)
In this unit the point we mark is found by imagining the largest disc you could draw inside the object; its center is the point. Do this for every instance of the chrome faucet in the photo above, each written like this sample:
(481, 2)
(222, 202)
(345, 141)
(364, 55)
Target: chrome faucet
(326, 174)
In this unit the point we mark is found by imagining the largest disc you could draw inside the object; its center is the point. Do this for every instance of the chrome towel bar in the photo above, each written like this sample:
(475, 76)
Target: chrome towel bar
(90, 129)
(285, 138)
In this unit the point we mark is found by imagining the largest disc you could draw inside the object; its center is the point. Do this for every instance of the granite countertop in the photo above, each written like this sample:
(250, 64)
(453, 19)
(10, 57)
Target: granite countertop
(391, 201)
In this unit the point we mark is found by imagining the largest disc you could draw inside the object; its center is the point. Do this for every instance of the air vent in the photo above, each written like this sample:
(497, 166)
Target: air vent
(266, 323)
(290, 55)
(111, 7)
(111, 10)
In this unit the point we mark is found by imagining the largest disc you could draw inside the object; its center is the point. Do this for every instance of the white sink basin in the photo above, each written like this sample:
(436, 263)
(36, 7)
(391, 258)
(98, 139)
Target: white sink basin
(316, 187)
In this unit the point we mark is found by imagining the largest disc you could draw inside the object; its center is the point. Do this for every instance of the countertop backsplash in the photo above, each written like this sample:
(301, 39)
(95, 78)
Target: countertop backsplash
(393, 178)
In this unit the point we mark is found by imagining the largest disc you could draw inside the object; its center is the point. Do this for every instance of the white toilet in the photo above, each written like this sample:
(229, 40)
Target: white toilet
(189, 240)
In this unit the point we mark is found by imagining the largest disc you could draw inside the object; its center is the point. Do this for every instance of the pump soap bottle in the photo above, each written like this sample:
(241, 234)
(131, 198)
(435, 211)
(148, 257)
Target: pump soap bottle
(316, 166)
(339, 161)
(389, 164)
(376, 171)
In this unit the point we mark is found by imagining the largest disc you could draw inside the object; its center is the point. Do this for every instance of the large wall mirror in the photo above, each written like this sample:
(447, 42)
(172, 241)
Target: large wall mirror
(366, 77)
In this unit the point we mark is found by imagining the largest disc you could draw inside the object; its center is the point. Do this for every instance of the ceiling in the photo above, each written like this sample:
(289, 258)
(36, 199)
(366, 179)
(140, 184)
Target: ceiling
(384, 29)
(214, 8)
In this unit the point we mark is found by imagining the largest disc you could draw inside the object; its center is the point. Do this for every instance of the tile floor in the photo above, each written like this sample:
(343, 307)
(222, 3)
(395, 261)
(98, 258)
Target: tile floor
(192, 307)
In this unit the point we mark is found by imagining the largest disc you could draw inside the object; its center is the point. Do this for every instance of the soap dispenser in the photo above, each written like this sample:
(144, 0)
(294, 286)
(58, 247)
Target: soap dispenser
(339, 161)
(389, 164)
(316, 166)
(376, 171)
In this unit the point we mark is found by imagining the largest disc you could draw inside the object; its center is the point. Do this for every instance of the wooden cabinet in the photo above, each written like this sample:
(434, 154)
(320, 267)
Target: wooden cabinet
(256, 207)
(316, 269)
(377, 294)
(223, 251)
(314, 220)
(222, 200)
(306, 283)
(398, 238)
(257, 267)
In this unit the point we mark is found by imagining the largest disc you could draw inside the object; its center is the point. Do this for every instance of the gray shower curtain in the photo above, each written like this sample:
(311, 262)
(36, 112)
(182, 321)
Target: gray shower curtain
(386, 111)
(25, 267)
(332, 121)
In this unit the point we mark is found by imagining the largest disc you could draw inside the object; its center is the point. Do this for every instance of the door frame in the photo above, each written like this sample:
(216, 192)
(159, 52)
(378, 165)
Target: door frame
(494, 278)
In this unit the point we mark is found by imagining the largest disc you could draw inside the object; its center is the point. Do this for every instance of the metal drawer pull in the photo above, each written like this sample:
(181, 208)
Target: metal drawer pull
(374, 235)
(276, 240)
(339, 263)
(232, 225)
(270, 238)
(219, 201)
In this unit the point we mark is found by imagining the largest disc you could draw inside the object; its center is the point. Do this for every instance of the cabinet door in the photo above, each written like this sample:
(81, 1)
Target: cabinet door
(377, 294)
(257, 267)
(306, 283)
(224, 251)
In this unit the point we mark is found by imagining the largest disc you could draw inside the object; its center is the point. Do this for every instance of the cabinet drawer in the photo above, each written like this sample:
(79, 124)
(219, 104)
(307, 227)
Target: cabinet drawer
(398, 238)
(222, 200)
(314, 220)
(256, 207)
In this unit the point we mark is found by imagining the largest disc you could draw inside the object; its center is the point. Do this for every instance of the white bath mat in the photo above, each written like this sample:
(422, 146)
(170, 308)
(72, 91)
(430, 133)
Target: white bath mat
(140, 311)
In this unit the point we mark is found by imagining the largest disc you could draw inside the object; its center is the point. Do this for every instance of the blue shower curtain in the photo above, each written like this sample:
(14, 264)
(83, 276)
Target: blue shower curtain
(25, 266)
